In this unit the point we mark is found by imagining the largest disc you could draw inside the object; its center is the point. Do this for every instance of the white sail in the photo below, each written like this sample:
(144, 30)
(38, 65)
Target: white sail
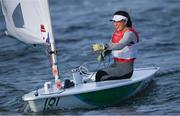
(28, 20)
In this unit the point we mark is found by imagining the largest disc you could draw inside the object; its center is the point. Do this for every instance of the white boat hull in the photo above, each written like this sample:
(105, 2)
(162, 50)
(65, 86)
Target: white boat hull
(91, 95)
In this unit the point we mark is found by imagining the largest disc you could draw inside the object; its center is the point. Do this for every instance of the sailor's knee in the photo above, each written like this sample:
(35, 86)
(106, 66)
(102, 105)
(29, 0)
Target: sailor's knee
(100, 74)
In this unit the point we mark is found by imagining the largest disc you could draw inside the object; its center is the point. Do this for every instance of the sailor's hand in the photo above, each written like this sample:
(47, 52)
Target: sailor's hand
(98, 47)
(106, 46)
(107, 52)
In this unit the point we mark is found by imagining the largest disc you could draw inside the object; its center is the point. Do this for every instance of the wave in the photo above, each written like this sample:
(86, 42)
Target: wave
(168, 72)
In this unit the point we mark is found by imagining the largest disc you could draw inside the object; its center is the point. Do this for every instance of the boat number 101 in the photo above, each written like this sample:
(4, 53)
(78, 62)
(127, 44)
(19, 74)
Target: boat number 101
(51, 103)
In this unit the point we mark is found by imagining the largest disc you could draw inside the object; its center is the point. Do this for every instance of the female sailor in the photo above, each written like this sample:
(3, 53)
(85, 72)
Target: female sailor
(123, 47)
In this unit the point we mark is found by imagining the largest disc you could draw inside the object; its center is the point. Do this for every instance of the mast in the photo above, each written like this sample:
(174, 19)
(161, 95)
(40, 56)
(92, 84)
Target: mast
(53, 52)
(54, 66)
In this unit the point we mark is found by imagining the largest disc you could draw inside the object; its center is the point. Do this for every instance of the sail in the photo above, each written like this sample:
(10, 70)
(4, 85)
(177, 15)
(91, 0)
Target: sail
(28, 20)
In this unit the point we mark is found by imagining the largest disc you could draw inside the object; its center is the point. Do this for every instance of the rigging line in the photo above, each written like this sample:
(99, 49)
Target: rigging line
(96, 69)
(87, 58)
(109, 60)
(99, 66)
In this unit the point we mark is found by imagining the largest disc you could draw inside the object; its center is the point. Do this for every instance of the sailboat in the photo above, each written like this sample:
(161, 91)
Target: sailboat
(29, 21)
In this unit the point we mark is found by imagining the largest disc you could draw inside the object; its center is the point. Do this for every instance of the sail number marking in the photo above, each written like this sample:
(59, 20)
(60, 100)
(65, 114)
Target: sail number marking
(51, 103)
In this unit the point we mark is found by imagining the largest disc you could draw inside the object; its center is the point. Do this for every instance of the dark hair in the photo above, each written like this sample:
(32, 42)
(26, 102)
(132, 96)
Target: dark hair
(124, 13)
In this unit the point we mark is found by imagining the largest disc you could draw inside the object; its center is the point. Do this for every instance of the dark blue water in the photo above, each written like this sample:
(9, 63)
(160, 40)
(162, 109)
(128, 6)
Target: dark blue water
(79, 23)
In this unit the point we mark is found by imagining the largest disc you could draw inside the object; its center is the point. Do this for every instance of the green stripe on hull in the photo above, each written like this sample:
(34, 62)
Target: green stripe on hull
(108, 96)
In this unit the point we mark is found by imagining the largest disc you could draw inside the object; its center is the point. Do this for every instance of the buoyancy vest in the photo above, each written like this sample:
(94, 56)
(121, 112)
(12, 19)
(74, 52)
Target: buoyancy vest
(129, 52)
